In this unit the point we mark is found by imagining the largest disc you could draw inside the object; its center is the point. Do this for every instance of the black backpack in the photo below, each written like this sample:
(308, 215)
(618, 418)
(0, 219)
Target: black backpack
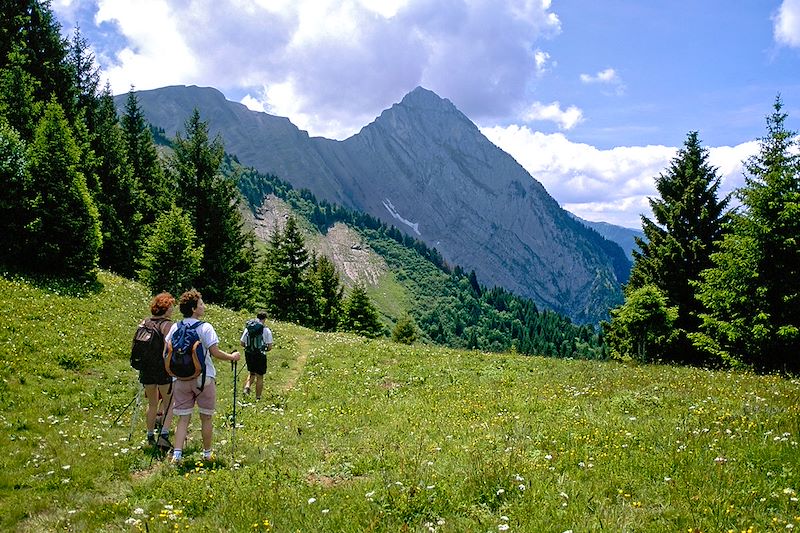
(185, 357)
(255, 337)
(148, 345)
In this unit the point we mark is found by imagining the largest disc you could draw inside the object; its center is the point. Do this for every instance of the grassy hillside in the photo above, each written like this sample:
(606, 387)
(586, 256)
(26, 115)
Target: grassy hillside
(358, 435)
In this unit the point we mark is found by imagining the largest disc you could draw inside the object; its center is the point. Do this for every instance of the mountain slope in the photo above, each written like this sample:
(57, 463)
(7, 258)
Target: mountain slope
(426, 168)
(624, 237)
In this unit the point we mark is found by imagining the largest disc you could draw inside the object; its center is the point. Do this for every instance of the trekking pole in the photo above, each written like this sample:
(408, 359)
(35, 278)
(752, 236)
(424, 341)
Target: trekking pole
(233, 428)
(136, 412)
(124, 409)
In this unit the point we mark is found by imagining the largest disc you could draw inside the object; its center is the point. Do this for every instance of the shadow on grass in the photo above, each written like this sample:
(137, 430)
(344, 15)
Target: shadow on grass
(76, 288)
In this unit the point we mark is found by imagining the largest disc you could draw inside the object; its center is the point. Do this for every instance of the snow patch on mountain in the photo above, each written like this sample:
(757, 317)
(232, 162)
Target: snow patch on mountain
(392, 211)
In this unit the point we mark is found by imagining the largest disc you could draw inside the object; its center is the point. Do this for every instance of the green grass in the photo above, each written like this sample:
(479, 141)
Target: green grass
(358, 435)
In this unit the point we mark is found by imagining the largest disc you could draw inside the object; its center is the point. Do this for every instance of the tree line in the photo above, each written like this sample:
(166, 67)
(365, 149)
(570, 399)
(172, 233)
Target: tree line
(712, 284)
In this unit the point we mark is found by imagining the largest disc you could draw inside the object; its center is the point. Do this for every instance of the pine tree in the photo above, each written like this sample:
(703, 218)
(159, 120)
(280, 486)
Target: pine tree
(171, 256)
(65, 234)
(119, 198)
(360, 315)
(156, 195)
(329, 293)
(30, 28)
(212, 203)
(689, 218)
(288, 290)
(18, 102)
(16, 200)
(753, 290)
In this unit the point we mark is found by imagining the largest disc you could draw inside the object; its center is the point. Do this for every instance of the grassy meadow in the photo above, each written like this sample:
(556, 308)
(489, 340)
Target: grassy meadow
(362, 435)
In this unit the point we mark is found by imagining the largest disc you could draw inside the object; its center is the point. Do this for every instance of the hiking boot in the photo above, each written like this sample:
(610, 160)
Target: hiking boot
(164, 443)
(246, 391)
(210, 458)
(151, 440)
(176, 461)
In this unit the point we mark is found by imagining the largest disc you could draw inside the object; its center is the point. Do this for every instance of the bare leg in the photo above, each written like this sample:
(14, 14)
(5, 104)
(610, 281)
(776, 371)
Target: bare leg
(181, 430)
(259, 385)
(151, 391)
(166, 405)
(207, 430)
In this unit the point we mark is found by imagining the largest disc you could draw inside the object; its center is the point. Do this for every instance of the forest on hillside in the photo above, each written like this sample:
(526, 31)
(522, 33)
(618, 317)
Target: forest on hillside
(711, 284)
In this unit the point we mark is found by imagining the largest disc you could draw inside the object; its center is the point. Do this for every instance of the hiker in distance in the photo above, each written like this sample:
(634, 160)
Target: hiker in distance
(200, 388)
(257, 341)
(146, 356)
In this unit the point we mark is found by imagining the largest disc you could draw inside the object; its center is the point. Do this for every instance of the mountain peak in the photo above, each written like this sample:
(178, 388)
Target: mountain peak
(424, 98)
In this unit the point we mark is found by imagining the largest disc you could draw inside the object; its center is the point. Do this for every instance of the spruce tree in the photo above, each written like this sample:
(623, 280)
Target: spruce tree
(689, 218)
(753, 290)
(16, 200)
(212, 202)
(119, 199)
(329, 293)
(156, 194)
(30, 28)
(65, 235)
(18, 104)
(171, 256)
(288, 290)
(360, 315)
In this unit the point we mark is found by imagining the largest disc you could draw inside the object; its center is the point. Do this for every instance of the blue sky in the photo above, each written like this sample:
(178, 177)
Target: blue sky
(593, 98)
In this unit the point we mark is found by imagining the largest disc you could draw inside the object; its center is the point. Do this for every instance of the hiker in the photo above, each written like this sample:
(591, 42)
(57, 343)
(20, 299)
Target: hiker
(257, 341)
(201, 390)
(152, 375)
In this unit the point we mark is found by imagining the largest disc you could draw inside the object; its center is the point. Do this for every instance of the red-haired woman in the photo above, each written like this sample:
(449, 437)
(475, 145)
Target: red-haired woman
(157, 383)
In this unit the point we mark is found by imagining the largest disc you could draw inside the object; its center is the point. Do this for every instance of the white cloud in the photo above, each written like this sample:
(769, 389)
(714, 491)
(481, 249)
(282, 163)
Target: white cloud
(540, 59)
(608, 77)
(787, 23)
(566, 118)
(605, 185)
(157, 54)
(345, 60)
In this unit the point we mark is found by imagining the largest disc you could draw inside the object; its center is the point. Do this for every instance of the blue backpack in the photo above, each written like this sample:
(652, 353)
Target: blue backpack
(185, 357)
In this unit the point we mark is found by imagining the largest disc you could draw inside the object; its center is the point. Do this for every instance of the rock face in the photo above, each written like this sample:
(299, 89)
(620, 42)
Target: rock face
(423, 166)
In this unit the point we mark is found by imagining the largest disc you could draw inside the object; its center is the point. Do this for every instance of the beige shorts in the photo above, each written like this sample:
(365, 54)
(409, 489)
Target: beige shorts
(186, 393)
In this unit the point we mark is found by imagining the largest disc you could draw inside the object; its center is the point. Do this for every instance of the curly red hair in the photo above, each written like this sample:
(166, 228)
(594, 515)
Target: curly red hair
(161, 302)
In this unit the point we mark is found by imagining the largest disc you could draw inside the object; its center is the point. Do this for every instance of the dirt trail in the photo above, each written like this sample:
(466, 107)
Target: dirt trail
(303, 347)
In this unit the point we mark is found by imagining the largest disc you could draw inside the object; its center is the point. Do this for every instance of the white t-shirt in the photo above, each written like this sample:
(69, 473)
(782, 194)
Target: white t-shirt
(208, 338)
(266, 335)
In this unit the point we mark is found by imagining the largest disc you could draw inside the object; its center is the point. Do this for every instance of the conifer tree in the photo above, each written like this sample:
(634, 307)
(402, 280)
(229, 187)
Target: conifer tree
(30, 28)
(329, 293)
(119, 198)
(156, 194)
(18, 102)
(171, 256)
(689, 218)
(360, 315)
(65, 235)
(15, 202)
(212, 203)
(288, 290)
(753, 290)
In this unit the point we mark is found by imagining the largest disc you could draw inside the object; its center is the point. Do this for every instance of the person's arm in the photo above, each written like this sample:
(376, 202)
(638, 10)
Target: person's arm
(225, 356)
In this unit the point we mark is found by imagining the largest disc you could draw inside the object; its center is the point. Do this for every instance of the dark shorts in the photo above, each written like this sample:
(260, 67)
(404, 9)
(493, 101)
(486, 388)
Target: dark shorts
(256, 362)
(154, 375)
